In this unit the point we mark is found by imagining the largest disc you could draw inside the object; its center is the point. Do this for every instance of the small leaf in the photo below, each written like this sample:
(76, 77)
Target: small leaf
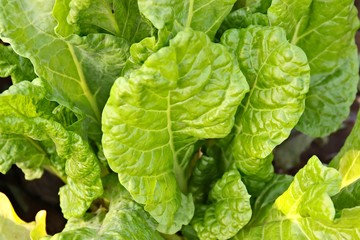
(122, 219)
(119, 18)
(228, 211)
(305, 210)
(13, 228)
(13, 65)
(243, 18)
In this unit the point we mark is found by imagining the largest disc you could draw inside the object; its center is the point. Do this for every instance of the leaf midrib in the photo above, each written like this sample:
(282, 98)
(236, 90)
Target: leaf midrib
(83, 84)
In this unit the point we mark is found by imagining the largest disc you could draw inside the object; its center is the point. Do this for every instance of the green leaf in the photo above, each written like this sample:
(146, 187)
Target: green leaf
(326, 34)
(120, 218)
(13, 228)
(27, 153)
(352, 144)
(305, 210)
(24, 112)
(260, 6)
(308, 194)
(119, 18)
(269, 193)
(206, 171)
(80, 71)
(13, 65)
(243, 18)
(173, 15)
(184, 92)
(348, 197)
(347, 162)
(60, 12)
(278, 75)
(229, 209)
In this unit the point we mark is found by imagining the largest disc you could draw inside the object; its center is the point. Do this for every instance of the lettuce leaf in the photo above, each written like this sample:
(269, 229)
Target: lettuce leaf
(13, 228)
(172, 16)
(206, 171)
(229, 209)
(347, 161)
(80, 71)
(13, 65)
(278, 74)
(243, 18)
(305, 210)
(184, 92)
(325, 30)
(119, 218)
(119, 18)
(25, 112)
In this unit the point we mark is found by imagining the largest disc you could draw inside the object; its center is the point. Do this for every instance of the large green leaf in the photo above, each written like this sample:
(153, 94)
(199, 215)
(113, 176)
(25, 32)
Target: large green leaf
(13, 228)
(305, 210)
(325, 30)
(120, 18)
(174, 15)
(184, 92)
(229, 209)
(119, 218)
(278, 75)
(25, 112)
(80, 71)
(13, 65)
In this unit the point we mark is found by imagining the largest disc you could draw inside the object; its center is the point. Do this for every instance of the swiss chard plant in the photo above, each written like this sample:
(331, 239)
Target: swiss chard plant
(161, 117)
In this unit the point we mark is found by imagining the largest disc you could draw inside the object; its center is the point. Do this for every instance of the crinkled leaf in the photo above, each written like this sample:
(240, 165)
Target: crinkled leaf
(173, 16)
(13, 65)
(305, 210)
(278, 75)
(80, 71)
(243, 18)
(119, 18)
(229, 209)
(253, 5)
(13, 228)
(184, 92)
(23, 112)
(121, 219)
(27, 153)
(309, 194)
(325, 30)
(206, 171)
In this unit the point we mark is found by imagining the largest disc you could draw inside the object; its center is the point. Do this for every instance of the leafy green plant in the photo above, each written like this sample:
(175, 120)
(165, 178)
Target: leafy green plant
(161, 117)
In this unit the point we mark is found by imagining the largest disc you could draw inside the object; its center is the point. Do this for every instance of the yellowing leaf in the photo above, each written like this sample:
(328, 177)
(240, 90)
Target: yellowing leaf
(13, 228)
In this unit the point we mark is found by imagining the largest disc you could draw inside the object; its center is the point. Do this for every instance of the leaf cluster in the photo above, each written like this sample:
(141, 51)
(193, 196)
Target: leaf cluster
(168, 112)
